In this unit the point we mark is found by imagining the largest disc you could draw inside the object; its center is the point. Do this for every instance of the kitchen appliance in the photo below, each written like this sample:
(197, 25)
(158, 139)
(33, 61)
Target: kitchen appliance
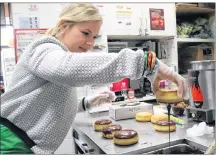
(201, 78)
(116, 47)
(142, 87)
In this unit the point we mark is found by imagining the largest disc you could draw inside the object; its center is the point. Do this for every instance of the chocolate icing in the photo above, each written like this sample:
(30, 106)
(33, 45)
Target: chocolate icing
(111, 128)
(125, 134)
(165, 123)
(103, 122)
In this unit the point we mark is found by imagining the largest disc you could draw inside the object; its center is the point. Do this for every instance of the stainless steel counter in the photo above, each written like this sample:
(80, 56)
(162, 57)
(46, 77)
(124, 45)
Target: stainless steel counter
(148, 137)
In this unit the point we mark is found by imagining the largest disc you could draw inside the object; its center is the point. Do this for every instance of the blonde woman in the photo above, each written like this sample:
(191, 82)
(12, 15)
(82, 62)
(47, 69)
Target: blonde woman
(40, 105)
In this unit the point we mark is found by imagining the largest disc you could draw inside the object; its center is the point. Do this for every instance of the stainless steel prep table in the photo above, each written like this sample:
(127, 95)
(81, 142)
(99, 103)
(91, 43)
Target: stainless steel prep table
(93, 142)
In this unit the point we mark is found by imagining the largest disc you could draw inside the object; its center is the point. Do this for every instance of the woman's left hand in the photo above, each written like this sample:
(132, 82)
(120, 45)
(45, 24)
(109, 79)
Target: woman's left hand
(101, 98)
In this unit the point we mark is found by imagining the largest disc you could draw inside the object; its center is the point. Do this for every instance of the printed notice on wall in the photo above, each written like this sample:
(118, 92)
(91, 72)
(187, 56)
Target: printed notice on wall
(8, 64)
(33, 7)
(123, 17)
(167, 48)
(29, 22)
(23, 37)
(168, 55)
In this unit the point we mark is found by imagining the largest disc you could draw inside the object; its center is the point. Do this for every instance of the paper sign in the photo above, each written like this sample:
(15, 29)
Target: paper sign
(33, 7)
(8, 64)
(29, 22)
(23, 37)
(123, 16)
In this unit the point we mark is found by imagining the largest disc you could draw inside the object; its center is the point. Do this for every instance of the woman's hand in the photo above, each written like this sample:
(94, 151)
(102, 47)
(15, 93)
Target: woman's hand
(164, 72)
(101, 98)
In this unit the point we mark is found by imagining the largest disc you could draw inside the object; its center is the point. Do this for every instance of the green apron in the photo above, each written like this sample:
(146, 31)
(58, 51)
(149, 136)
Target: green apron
(10, 143)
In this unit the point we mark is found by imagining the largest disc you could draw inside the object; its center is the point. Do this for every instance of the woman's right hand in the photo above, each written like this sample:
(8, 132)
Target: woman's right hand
(159, 71)
(166, 73)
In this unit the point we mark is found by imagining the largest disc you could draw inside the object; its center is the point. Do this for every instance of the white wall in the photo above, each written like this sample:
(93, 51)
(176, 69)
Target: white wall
(7, 34)
(46, 12)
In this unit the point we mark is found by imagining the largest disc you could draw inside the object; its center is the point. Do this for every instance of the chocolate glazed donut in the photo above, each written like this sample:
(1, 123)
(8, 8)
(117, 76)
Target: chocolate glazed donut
(163, 126)
(165, 123)
(100, 124)
(103, 122)
(126, 137)
(109, 131)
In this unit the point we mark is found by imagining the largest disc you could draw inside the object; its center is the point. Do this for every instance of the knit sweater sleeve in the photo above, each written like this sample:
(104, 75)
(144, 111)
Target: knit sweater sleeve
(50, 62)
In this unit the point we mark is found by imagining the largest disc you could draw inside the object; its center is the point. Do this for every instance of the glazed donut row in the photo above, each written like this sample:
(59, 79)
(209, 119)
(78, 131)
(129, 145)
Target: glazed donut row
(128, 136)
(160, 121)
(114, 131)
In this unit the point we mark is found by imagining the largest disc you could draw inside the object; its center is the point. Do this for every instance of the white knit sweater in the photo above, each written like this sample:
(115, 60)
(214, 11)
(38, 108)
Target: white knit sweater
(41, 98)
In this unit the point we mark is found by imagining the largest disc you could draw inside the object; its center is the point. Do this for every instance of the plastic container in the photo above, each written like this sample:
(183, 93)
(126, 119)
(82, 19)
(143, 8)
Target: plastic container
(131, 94)
(124, 90)
(178, 111)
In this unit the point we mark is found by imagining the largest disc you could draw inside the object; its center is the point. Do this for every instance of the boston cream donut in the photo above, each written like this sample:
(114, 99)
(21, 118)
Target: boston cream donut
(163, 126)
(125, 137)
(157, 117)
(100, 124)
(168, 95)
(143, 116)
(108, 131)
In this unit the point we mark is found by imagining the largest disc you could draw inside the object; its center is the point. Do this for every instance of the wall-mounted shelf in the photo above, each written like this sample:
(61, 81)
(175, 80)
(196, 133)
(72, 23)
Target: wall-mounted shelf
(195, 40)
(135, 37)
(196, 10)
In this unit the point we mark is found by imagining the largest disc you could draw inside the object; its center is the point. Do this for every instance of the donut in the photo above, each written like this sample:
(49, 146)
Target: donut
(125, 137)
(157, 117)
(100, 124)
(168, 95)
(163, 126)
(143, 116)
(108, 131)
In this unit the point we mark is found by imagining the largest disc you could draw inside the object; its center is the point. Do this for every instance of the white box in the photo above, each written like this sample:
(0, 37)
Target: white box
(117, 112)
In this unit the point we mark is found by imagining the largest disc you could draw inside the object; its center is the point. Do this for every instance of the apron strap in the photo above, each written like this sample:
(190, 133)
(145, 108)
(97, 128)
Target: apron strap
(19, 132)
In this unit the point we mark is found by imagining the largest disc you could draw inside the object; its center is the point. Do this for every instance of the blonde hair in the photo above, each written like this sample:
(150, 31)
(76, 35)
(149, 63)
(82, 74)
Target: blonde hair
(72, 14)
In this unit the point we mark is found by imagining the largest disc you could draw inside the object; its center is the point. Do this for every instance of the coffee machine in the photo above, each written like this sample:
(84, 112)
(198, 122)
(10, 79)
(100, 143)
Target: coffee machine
(202, 84)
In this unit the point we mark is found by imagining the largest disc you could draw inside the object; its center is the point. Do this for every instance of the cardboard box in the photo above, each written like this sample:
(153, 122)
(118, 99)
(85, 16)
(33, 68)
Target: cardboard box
(194, 53)
(117, 112)
(197, 53)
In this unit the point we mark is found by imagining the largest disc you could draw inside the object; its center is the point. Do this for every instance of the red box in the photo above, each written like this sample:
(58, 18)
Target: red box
(116, 86)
